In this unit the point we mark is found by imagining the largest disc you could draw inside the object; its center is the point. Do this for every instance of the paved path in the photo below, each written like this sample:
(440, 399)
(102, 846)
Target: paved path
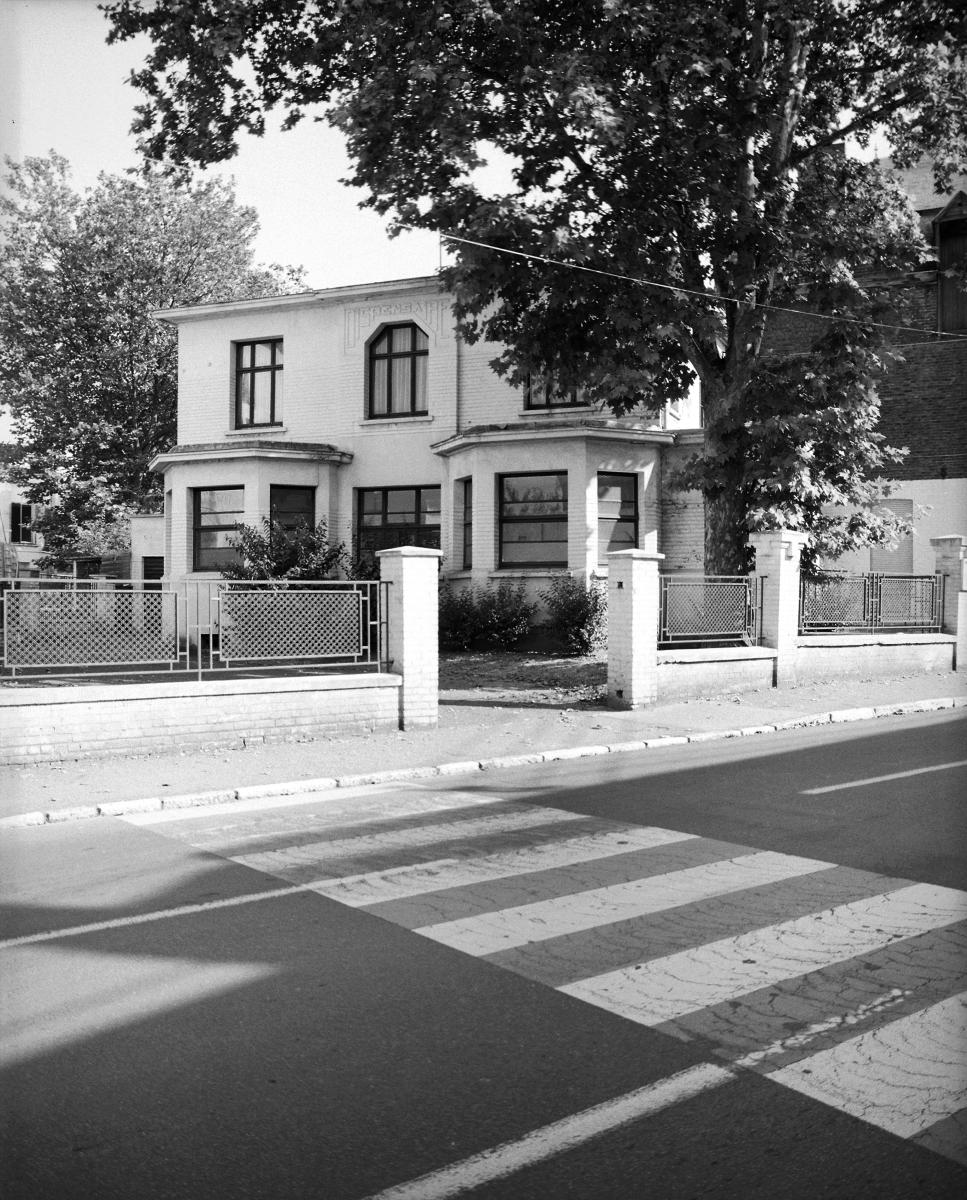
(843, 985)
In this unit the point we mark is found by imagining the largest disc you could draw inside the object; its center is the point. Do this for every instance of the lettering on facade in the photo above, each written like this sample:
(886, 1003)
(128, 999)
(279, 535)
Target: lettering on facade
(364, 319)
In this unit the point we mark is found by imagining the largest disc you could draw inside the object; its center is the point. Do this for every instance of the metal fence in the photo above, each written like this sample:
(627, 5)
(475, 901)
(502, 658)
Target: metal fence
(80, 627)
(876, 601)
(709, 610)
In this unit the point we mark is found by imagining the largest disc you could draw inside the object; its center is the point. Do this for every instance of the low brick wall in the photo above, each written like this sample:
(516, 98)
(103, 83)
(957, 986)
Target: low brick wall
(689, 674)
(45, 724)
(836, 657)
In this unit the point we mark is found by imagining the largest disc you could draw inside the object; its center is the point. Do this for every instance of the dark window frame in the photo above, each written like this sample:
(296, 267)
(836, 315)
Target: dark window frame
(504, 521)
(537, 385)
(467, 557)
(414, 353)
(21, 522)
(633, 520)
(197, 528)
(951, 300)
(417, 525)
(274, 370)
(275, 512)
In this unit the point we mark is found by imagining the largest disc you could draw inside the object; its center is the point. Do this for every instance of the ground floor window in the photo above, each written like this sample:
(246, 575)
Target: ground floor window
(617, 513)
(467, 524)
(293, 506)
(217, 512)
(533, 519)
(396, 516)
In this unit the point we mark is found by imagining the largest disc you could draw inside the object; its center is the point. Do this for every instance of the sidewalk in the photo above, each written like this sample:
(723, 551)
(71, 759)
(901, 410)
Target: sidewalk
(477, 726)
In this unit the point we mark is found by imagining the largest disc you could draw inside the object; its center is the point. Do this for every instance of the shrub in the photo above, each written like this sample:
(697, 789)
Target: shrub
(578, 614)
(503, 616)
(271, 551)
(458, 617)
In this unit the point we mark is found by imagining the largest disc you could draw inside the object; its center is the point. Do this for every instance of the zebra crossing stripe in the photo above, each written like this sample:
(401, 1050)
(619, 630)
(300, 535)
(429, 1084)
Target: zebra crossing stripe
(489, 933)
(400, 883)
(903, 1077)
(664, 989)
(314, 855)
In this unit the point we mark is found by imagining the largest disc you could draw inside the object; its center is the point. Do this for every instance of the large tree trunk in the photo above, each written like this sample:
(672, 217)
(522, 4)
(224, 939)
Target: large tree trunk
(726, 530)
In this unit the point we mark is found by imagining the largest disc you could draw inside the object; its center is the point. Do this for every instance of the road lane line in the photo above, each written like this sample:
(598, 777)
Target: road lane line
(162, 914)
(855, 783)
(664, 989)
(903, 1077)
(489, 933)
(559, 1137)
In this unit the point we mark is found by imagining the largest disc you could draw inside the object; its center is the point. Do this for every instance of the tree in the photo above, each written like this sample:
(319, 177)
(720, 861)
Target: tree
(88, 374)
(680, 157)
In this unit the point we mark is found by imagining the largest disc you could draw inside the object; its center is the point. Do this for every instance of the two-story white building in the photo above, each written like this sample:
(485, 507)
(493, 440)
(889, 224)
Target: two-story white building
(360, 405)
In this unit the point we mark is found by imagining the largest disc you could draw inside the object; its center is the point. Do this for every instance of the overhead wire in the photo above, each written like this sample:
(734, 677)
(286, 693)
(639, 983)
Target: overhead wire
(704, 295)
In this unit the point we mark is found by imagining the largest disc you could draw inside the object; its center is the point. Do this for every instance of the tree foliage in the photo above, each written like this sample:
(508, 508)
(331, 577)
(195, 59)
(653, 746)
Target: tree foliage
(88, 374)
(273, 551)
(679, 157)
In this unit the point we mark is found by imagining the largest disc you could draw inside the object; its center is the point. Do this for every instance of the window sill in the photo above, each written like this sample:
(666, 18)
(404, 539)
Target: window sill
(578, 410)
(254, 430)
(382, 422)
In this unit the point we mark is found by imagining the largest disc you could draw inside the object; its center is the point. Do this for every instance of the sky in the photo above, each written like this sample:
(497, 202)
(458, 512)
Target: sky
(63, 88)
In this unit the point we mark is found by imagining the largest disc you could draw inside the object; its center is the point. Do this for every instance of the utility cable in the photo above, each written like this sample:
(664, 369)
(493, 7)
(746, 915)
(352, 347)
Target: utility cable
(704, 295)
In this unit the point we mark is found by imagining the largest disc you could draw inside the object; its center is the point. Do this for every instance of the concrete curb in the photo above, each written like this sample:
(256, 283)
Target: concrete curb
(120, 808)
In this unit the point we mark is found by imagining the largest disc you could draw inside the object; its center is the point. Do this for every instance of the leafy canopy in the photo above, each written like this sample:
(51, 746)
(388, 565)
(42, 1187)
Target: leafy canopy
(88, 374)
(680, 142)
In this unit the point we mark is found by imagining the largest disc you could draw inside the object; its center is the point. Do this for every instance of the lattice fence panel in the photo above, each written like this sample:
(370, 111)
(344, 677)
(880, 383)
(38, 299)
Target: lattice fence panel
(696, 608)
(908, 602)
(835, 603)
(74, 628)
(291, 624)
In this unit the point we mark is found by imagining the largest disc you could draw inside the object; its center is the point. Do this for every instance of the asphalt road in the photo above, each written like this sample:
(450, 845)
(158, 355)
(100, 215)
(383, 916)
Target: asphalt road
(198, 1026)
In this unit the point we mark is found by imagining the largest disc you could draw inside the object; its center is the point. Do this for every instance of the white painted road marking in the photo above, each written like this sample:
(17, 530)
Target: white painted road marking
(855, 783)
(559, 1137)
(903, 1077)
(400, 883)
(544, 919)
(665, 988)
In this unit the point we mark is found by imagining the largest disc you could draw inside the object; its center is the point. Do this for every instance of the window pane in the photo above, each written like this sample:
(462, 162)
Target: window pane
(379, 394)
(421, 341)
(430, 506)
(400, 386)
(401, 506)
(381, 345)
(262, 392)
(263, 354)
(220, 500)
(244, 394)
(419, 400)
(292, 506)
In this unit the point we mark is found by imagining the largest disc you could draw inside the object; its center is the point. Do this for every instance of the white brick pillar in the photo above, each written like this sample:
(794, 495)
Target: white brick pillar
(412, 620)
(633, 600)
(777, 555)
(951, 563)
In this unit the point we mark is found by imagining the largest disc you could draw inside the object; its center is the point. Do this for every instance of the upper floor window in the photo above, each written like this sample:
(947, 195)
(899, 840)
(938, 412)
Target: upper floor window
(617, 513)
(21, 517)
(542, 393)
(216, 516)
(258, 383)
(397, 372)
(533, 520)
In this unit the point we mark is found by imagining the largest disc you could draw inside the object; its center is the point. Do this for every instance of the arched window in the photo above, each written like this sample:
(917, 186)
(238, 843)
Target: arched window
(397, 372)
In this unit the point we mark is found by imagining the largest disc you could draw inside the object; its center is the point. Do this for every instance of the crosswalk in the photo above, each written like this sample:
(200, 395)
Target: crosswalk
(846, 986)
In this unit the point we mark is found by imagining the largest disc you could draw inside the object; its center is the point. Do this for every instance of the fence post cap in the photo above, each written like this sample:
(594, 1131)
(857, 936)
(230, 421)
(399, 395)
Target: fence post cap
(410, 552)
(637, 555)
(949, 541)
